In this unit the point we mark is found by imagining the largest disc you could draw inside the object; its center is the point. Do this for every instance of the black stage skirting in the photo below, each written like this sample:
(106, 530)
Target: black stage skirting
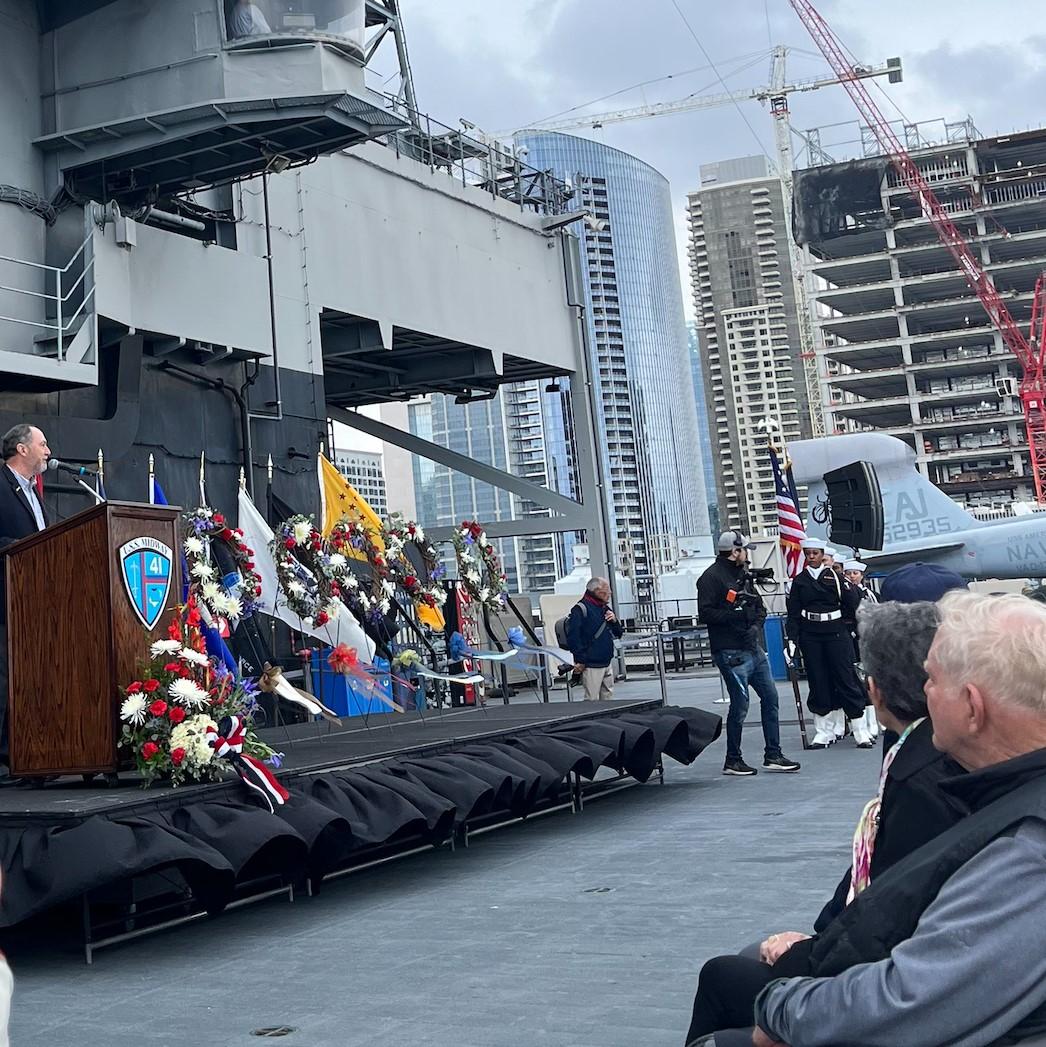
(353, 790)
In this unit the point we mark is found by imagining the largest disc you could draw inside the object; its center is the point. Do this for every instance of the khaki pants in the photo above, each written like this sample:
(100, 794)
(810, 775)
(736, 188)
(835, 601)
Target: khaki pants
(598, 684)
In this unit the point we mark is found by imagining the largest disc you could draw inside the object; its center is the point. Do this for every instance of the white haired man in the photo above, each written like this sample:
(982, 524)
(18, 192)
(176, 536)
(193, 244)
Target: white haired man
(591, 630)
(946, 945)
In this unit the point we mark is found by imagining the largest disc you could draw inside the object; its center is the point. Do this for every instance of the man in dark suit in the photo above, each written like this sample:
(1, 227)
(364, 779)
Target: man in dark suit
(25, 453)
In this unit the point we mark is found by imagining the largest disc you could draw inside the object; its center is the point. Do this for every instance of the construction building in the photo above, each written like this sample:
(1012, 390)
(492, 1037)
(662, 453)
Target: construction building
(904, 345)
(365, 471)
(748, 321)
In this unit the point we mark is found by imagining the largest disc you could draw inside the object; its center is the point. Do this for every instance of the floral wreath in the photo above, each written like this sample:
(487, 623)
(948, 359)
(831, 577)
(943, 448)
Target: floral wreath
(478, 566)
(179, 696)
(370, 601)
(304, 573)
(203, 528)
(396, 535)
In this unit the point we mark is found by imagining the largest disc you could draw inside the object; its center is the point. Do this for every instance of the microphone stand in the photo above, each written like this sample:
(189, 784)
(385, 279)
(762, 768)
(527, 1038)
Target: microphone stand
(98, 499)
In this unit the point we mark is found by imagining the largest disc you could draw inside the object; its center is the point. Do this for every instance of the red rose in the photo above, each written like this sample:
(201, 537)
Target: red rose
(149, 750)
(248, 565)
(172, 667)
(176, 714)
(322, 618)
(158, 708)
(335, 589)
(226, 534)
(177, 755)
(289, 543)
(218, 519)
(184, 672)
(135, 687)
(150, 685)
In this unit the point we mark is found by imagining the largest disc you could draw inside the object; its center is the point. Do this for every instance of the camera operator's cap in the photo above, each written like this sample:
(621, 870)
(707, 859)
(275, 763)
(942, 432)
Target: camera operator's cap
(855, 565)
(814, 543)
(731, 540)
(916, 582)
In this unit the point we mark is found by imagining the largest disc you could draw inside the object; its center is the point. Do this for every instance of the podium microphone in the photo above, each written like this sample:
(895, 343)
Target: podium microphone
(76, 470)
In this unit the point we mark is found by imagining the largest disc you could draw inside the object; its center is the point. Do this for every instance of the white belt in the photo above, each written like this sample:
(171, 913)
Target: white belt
(830, 616)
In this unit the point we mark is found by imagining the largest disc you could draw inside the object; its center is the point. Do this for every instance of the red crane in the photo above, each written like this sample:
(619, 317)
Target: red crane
(1029, 351)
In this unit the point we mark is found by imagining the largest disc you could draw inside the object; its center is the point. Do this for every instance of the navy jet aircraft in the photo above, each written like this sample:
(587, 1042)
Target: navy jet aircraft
(920, 521)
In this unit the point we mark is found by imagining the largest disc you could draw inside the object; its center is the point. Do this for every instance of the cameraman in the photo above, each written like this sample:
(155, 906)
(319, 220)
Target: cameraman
(734, 612)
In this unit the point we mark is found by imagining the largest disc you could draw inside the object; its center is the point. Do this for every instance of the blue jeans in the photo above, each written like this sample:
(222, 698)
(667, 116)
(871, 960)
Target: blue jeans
(741, 670)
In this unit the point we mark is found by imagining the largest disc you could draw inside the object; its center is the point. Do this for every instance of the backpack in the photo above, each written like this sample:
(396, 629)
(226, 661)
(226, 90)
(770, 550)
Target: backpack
(560, 629)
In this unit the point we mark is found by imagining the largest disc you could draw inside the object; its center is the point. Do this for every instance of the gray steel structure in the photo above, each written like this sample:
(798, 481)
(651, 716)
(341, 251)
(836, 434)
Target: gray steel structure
(746, 309)
(904, 347)
(215, 243)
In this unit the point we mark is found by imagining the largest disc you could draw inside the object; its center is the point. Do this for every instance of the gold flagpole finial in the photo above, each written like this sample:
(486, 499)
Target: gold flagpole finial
(101, 463)
(268, 467)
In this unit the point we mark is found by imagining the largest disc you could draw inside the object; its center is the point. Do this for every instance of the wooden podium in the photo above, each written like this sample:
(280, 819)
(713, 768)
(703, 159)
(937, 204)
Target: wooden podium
(85, 599)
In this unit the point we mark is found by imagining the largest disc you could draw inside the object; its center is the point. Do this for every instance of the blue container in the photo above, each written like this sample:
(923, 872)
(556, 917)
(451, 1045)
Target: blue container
(338, 693)
(773, 631)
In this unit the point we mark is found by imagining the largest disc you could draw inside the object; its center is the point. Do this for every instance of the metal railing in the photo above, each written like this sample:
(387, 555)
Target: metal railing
(476, 160)
(57, 304)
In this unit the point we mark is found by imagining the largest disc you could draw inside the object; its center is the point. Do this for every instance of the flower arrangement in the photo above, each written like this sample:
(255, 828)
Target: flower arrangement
(398, 534)
(180, 696)
(307, 578)
(478, 566)
(203, 528)
(368, 599)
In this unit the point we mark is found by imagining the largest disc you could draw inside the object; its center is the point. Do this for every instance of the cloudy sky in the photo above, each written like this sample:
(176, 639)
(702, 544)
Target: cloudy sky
(508, 63)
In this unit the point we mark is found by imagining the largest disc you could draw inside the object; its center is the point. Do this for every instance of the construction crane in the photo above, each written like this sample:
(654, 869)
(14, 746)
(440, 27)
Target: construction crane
(1028, 350)
(776, 94)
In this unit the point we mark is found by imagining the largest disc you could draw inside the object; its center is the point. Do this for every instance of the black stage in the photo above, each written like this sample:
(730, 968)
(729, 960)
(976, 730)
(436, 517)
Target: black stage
(358, 793)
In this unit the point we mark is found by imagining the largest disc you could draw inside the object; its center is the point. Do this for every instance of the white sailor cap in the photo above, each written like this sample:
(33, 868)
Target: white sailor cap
(813, 543)
(829, 551)
(855, 565)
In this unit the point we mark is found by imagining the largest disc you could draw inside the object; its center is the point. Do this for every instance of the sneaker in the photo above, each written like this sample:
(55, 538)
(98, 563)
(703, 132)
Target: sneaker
(738, 768)
(780, 762)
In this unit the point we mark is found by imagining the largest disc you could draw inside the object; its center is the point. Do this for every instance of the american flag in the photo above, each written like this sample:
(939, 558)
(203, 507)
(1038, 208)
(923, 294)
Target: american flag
(789, 522)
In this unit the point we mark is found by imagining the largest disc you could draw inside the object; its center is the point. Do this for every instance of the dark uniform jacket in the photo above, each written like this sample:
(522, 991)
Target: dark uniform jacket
(733, 626)
(822, 595)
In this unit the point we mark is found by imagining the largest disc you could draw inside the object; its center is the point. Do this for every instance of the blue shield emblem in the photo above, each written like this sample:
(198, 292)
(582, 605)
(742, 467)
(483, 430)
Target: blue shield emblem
(145, 564)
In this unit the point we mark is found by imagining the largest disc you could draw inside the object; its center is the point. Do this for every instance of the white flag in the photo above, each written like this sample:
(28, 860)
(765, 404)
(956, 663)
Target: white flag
(342, 628)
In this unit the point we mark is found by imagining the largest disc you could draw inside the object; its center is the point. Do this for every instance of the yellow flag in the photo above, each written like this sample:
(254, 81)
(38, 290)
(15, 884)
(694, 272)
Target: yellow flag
(430, 616)
(341, 501)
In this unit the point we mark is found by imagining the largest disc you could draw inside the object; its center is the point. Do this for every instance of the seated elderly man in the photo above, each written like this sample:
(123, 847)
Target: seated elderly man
(946, 947)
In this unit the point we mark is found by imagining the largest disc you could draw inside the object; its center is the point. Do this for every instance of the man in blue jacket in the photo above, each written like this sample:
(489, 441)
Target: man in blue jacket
(591, 630)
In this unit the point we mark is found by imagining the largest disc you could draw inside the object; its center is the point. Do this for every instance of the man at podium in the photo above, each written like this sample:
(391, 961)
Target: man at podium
(25, 453)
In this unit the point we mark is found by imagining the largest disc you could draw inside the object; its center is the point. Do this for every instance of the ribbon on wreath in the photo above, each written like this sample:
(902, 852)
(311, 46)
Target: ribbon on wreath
(345, 660)
(227, 742)
(459, 649)
(411, 661)
(519, 642)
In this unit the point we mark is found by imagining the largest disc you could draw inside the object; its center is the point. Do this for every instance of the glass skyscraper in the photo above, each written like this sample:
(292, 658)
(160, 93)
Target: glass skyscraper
(646, 418)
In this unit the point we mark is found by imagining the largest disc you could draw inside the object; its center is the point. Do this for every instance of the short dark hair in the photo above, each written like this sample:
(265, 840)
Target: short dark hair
(895, 640)
(17, 434)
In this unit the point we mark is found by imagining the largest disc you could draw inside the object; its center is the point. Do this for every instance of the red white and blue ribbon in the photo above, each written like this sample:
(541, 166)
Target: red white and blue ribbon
(227, 742)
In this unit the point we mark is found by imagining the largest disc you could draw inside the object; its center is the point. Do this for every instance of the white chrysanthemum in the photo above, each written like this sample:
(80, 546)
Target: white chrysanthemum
(206, 513)
(203, 571)
(473, 576)
(389, 587)
(337, 561)
(134, 709)
(164, 647)
(193, 546)
(296, 589)
(191, 735)
(187, 654)
(384, 606)
(302, 530)
(484, 595)
(188, 693)
(419, 534)
(232, 607)
(482, 538)
(352, 582)
(211, 592)
(439, 596)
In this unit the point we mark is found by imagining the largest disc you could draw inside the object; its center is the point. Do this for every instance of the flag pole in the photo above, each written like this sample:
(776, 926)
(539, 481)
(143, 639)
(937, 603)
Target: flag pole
(152, 480)
(243, 479)
(99, 483)
(203, 480)
(268, 488)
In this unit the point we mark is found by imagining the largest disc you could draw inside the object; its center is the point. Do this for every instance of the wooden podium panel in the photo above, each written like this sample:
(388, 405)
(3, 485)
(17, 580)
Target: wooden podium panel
(74, 638)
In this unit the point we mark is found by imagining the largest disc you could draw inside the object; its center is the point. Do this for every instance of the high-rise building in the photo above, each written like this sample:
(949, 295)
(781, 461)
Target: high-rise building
(745, 303)
(904, 346)
(647, 422)
(364, 470)
(697, 376)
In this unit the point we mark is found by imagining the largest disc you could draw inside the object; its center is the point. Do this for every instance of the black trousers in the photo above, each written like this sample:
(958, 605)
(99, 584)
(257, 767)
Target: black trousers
(830, 672)
(726, 992)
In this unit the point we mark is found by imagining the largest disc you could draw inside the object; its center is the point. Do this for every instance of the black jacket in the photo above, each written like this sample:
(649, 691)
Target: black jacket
(16, 521)
(1001, 798)
(735, 626)
(914, 810)
(588, 641)
(822, 595)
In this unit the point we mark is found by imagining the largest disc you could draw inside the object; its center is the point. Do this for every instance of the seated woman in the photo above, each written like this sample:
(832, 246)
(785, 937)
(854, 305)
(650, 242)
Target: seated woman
(907, 811)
